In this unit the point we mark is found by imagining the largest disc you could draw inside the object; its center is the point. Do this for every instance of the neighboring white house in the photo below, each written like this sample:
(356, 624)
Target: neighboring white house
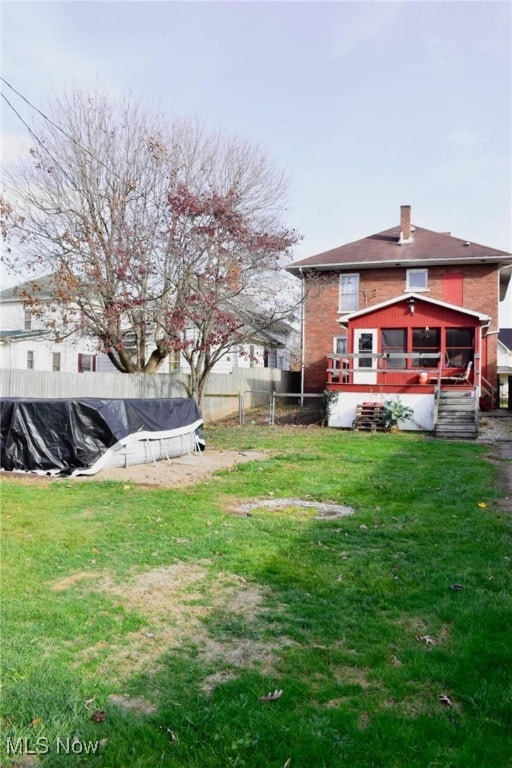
(26, 342)
(505, 366)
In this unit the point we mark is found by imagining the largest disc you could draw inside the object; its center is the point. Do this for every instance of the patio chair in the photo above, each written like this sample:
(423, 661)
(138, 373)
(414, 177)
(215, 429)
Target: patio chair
(458, 378)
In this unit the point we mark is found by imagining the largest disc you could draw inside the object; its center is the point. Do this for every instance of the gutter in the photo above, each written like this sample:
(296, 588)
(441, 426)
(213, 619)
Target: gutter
(390, 263)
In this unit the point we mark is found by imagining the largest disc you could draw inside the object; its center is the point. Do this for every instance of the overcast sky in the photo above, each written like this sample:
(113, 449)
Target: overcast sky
(369, 105)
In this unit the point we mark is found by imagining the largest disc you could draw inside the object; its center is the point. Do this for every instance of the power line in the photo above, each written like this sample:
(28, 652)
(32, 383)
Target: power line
(55, 125)
(29, 129)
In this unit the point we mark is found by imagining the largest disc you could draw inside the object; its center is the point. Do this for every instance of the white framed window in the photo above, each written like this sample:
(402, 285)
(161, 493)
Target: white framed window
(340, 345)
(417, 280)
(349, 292)
(174, 361)
(30, 359)
(27, 319)
(86, 363)
(56, 361)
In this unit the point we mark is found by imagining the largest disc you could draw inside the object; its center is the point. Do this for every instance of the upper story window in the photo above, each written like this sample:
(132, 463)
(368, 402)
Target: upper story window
(56, 361)
(27, 320)
(349, 293)
(30, 359)
(417, 280)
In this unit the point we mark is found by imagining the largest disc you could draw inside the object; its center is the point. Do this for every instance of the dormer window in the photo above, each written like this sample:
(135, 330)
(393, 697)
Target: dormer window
(417, 280)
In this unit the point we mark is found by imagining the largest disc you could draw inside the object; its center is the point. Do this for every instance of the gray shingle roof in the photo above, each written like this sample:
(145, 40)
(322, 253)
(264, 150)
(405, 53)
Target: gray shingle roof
(384, 249)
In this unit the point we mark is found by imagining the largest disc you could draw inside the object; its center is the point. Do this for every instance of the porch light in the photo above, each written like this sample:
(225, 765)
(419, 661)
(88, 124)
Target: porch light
(411, 302)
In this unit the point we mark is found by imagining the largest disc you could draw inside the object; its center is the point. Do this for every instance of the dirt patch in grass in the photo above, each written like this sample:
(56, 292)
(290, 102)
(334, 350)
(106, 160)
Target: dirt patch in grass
(139, 705)
(75, 578)
(427, 635)
(325, 511)
(175, 603)
(347, 675)
(179, 472)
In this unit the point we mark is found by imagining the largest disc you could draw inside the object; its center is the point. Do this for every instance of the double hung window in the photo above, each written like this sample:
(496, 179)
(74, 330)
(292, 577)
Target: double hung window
(349, 293)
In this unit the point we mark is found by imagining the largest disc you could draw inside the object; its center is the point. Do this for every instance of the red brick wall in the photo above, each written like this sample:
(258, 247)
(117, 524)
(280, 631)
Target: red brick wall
(321, 326)
(480, 294)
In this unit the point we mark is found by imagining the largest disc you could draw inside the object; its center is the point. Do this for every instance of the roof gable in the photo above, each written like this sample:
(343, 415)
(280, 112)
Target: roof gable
(417, 297)
(505, 336)
(39, 287)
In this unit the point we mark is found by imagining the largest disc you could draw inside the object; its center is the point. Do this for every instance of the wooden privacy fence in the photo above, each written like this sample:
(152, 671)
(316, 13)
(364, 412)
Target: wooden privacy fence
(222, 396)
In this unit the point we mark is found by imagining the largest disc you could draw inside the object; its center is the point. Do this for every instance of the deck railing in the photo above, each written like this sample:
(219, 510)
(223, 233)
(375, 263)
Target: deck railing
(342, 368)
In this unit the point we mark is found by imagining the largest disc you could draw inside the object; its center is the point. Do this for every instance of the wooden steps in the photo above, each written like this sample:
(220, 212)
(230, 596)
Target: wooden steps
(456, 417)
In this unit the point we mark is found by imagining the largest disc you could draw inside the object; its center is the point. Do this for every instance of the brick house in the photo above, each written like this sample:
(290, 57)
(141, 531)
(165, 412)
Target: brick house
(406, 313)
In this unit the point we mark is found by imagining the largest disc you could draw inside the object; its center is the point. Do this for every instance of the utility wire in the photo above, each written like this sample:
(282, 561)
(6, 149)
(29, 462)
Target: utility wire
(29, 129)
(55, 125)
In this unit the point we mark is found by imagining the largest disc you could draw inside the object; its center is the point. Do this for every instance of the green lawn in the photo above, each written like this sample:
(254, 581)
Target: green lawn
(141, 627)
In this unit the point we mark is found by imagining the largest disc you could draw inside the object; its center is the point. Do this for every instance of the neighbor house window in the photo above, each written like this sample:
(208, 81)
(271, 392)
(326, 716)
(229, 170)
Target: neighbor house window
(349, 293)
(174, 361)
(56, 361)
(27, 320)
(426, 340)
(30, 359)
(417, 280)
(394, 341)
(459, 347)
(86, 363)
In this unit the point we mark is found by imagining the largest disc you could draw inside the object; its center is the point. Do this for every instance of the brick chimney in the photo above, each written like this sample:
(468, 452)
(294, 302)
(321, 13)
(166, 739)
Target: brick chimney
(405, 224)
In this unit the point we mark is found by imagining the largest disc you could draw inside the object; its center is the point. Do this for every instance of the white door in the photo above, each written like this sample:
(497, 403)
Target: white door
(365, 340)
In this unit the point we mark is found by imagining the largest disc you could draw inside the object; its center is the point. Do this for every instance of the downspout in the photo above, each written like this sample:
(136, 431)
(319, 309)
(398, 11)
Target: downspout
(302, 339)
(482, 328)
(478, 392)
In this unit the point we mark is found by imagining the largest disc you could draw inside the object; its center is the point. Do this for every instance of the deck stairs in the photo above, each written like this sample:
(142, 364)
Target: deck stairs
(456, 415)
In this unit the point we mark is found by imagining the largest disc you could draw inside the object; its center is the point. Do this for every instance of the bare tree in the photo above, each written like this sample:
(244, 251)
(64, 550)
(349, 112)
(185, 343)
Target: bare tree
(157, 235)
